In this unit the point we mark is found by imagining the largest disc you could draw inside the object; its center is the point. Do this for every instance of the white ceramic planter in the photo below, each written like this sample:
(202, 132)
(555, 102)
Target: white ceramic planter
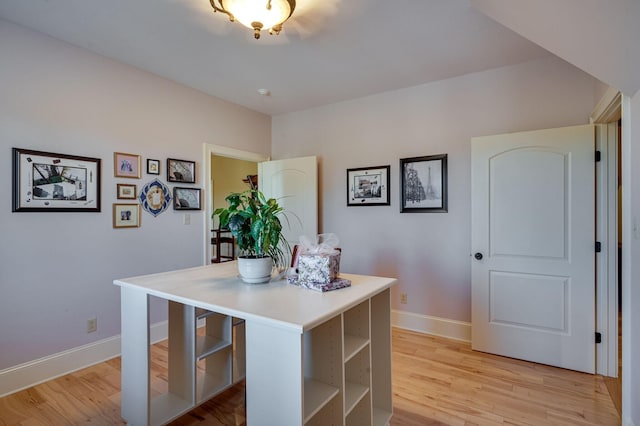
(255, 270)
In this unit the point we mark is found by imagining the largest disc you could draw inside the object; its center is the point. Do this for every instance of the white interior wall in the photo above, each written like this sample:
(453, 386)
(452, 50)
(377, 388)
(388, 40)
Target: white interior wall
(56, 269)
(428, 252)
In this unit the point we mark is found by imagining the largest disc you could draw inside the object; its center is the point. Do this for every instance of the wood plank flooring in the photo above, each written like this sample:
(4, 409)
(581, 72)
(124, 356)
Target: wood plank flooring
(436, 381)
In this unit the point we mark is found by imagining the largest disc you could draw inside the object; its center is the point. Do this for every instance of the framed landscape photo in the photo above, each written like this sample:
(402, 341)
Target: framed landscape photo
(126, 165)
(368, 186)
(181, 171)
(186, 198)
(126, 215)
(153, 167)
(126, 191)
(423, 184)
(48, 182)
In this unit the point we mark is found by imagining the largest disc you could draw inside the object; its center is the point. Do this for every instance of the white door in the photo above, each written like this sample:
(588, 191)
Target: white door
(533, 245)
(294, 183)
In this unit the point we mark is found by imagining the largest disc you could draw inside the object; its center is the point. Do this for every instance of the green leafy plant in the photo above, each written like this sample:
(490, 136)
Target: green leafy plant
(255, 223)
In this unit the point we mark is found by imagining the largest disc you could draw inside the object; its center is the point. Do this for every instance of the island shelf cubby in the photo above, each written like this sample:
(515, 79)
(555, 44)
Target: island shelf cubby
(205, 357)
(341, 371)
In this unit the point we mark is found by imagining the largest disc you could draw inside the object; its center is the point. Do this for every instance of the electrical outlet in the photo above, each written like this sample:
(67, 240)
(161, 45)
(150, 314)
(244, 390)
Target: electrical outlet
(403, 298)
(92, 325)
(186, 219)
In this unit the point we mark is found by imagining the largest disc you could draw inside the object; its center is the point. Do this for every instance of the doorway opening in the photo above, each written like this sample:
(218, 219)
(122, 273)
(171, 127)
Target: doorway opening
(224, 171)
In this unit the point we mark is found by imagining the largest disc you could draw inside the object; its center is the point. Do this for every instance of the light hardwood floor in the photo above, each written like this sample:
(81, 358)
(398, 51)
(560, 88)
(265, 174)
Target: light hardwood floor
(436, 381)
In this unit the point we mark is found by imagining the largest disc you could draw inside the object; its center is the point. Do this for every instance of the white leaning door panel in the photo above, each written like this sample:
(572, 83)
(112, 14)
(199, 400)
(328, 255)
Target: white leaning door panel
(294, 183)
(533, 215)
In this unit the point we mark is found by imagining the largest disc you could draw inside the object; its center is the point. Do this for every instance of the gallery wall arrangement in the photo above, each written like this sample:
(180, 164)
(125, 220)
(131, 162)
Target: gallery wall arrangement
(52, 182)
(155, 196)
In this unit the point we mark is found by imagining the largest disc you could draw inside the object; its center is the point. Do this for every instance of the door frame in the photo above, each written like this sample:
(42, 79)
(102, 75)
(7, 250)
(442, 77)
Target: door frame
(222, 151)
(607, 259)
(607, 112)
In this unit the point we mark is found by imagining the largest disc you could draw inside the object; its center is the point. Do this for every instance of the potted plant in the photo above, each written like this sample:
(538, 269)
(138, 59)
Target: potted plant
(255, 223)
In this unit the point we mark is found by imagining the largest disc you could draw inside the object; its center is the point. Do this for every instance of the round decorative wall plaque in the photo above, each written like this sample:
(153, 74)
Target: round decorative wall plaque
(155, 197)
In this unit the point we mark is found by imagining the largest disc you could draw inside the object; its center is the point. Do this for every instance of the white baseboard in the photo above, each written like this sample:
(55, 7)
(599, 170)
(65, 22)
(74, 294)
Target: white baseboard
(34, 372)
(31, 373)
(443, 327)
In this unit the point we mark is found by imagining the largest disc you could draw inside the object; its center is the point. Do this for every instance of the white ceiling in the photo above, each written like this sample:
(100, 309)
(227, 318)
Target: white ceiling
(330, 51)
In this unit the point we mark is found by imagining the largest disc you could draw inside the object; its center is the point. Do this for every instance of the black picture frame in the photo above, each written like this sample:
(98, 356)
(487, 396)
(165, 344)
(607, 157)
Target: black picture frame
(153, 167)
(423, 184)
(181, 171)
(187, 198)
(52, 182)
(368, 186)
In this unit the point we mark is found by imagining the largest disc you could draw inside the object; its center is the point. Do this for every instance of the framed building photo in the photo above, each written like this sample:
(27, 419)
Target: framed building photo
(126, 165)
(423, 184)
(368, 186)
(153, 167)
(126, 191)
(181, 171)
(126, 215)
(48, 182)
(186, 198)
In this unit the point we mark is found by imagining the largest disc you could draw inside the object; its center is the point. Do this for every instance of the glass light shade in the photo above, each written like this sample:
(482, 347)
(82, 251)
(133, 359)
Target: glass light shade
(249, 11)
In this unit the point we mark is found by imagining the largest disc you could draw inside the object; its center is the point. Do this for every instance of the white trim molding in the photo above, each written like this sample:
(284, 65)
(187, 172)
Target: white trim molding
(608, 108)
(443, 327)
(38, 371)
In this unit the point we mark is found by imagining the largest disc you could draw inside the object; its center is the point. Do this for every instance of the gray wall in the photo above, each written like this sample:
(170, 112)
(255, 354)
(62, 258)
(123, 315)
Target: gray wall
(56, 269)
(429, 253)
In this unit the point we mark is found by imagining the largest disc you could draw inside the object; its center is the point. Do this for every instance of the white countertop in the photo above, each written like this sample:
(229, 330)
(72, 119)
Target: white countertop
(217, 288)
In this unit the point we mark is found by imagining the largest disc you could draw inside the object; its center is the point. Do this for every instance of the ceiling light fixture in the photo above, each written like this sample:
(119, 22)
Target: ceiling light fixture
(257, 14)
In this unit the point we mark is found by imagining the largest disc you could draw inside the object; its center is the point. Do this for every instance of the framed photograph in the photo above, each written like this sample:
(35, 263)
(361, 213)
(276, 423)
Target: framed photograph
(126, 191)
(48, 182)
(126, 165)
(186, 198)
(181, 171)
(368, 186)
(423, 184)
(126, 215)
(153, 167)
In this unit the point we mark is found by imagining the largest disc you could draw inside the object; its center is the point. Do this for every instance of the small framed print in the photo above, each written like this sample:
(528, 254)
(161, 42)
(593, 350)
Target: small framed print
(186, 198)
(126, 215)
(423, 184)
(153, 167)
(181, 171)
(368, 186)
(126, 191)
(126, 165)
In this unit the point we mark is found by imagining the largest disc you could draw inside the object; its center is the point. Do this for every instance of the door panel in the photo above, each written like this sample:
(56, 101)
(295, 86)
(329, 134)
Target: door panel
(294, 183)
(542, 207)
(533, 215)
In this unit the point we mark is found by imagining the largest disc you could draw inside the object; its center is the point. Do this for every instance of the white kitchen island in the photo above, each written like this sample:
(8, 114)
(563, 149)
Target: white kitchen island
(310, 358)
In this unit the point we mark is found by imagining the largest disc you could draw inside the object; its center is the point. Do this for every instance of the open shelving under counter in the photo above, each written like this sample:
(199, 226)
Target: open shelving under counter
(325, 359)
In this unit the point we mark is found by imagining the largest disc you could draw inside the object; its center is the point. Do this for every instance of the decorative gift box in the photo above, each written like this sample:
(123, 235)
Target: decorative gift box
(318, 268)
(316, 264)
